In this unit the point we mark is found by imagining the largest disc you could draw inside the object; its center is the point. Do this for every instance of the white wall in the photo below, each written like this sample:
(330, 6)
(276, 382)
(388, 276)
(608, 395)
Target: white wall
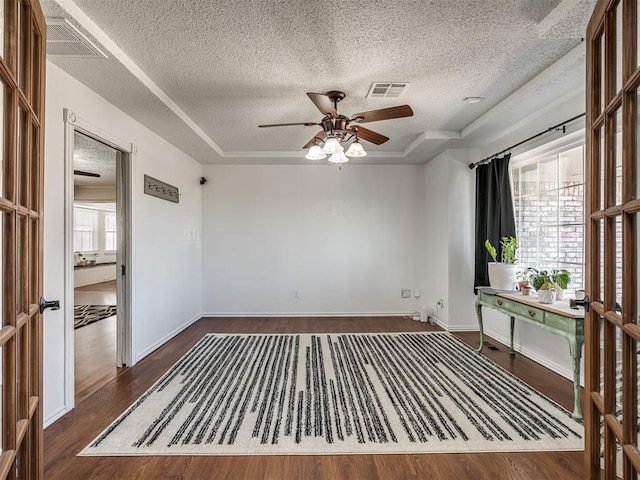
(453, 207)
(166, 269)
(434, 262)
(448, 255)
(347, 240)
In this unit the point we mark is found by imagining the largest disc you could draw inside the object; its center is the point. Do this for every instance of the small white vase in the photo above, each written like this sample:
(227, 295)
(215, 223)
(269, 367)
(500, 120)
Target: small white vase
(547, 296)
(502, 276)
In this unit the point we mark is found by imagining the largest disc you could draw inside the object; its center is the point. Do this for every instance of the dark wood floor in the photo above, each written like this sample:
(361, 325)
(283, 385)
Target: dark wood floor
(95, 344)
(65, 438)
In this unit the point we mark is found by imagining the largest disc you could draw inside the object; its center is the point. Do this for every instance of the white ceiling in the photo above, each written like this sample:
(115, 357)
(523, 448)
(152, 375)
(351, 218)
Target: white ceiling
(89, 155)
(204, 74)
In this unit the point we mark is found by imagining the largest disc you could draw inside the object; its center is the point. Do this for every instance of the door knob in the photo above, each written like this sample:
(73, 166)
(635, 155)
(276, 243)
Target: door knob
(573, 303)
(53, 304)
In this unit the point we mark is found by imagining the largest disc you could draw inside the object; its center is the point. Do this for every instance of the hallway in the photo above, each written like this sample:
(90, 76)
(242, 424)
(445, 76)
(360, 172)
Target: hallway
(95, 344)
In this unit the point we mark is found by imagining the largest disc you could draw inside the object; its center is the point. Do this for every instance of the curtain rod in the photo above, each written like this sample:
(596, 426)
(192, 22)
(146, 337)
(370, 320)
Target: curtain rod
(555, 127)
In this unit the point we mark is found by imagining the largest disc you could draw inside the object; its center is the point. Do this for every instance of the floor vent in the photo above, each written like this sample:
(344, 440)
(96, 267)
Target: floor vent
(386, 90)
(65, 40)
(491, 347)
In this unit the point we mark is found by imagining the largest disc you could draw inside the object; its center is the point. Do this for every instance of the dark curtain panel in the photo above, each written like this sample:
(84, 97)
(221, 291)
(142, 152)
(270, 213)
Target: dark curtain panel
(494, 213)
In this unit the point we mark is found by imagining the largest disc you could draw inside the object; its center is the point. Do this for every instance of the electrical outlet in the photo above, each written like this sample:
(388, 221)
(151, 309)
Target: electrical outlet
(440, 303)
(416, 292)
(406, 293)
(296, 294)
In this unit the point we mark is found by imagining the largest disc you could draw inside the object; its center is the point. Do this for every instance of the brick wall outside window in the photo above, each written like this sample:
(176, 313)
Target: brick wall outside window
(548, 193)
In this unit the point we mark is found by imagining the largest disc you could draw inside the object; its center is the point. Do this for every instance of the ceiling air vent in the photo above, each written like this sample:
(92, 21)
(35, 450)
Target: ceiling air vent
(65, 40)
(386, 90)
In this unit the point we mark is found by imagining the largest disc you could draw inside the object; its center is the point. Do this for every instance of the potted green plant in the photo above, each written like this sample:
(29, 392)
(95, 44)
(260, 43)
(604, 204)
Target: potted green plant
(502, 274)
(547, 293)
(545, 280)
(524, 282)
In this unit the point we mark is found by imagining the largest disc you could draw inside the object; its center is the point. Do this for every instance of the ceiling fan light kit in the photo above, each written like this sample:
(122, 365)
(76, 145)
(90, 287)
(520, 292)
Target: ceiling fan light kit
(338, 157)
(336, 128)
(331, 146)
(315, 153)
(356, 150)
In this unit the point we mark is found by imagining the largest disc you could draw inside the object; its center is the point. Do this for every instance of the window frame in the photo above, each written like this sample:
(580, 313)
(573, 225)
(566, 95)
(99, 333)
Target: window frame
(535, 156)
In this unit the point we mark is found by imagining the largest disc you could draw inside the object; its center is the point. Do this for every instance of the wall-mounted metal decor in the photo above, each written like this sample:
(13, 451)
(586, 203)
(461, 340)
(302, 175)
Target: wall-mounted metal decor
(161, 190)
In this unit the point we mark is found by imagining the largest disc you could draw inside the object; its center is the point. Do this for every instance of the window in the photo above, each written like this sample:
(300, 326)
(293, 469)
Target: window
(85, 230)
(110, 231)
(548, 191)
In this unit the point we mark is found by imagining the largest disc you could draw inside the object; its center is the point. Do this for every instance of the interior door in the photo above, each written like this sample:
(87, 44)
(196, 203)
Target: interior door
(612, 207)
(22, 65)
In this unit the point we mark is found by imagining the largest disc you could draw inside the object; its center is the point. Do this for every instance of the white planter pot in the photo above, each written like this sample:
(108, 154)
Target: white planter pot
(547, 296)
(559, 291)
(502, 276)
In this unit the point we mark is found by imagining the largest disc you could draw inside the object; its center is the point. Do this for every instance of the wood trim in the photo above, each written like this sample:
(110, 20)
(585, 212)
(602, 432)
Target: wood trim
(22, 204)
(614, 426)
(6, 462)
(37, 433)
(614, 318)
(604, 22)
(592, 332)
(632, 330)
(615, 210)
(631, 452)
(598, 308)
(598, 401)
(6, 333)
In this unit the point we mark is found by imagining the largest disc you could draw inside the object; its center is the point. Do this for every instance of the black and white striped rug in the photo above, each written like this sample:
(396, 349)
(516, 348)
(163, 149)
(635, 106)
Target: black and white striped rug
(84, 315)
(337, 394)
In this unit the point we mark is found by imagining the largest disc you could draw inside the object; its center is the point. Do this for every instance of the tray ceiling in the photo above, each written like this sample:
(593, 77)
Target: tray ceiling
(204, 74)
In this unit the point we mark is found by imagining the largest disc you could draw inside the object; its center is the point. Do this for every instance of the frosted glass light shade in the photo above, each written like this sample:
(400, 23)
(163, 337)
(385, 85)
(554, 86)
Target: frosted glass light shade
(356, 150)
(331, 146)
(315, 153)
(339, 157)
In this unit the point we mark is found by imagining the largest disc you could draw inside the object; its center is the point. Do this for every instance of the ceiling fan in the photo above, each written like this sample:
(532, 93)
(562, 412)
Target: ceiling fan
(86, 174)
(337, 129)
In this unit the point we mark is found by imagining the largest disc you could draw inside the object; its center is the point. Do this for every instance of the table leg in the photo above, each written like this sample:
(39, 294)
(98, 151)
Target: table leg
(511, 350)
(575, 348)
(479, 315)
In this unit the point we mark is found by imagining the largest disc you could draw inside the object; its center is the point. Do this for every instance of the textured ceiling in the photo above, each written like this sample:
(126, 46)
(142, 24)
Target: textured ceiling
(89, 155)
(229, 66)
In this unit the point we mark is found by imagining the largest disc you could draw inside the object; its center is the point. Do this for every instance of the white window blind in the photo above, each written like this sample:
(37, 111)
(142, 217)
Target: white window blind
(110, 231)
(85, 230)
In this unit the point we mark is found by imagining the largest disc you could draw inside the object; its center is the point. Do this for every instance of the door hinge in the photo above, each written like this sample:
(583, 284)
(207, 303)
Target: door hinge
(123, 270)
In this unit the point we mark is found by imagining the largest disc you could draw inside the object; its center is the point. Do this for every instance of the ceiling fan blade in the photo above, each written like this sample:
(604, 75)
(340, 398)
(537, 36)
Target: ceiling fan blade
(383, 114)
(324, 103)
(306, 124)
(86, 174)
(368, 135)
(317, 136)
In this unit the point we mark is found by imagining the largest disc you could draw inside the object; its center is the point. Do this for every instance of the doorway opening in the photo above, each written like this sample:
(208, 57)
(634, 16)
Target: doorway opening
(97, 246)
(95, 232)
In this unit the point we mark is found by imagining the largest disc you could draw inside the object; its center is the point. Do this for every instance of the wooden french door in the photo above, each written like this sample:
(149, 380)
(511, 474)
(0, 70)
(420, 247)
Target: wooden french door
(22, 92)
(612, 206)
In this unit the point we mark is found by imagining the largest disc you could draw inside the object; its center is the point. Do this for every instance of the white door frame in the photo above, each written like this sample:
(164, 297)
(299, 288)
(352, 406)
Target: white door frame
(125, 357)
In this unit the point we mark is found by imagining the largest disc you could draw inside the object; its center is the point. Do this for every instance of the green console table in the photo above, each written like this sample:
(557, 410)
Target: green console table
(556, 318)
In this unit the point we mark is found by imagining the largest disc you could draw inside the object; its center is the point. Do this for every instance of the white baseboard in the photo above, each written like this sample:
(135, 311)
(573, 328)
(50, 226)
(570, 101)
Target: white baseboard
(536, 357)
(461, 328)
(54, 416)
(306, 314)
(167, 337)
